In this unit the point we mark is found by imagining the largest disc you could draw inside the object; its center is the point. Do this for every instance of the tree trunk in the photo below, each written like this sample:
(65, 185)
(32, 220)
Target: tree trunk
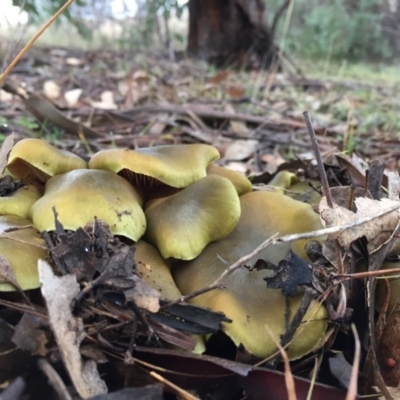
(230, 31)
(391, 24)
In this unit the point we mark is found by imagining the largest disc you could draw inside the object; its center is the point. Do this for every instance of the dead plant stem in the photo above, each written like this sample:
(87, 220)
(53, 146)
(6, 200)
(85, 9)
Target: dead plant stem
(33, 40)
(352, 391)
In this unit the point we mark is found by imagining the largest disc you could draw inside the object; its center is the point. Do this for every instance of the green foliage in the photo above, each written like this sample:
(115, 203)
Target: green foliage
(165, 7)
(337, 29)
(39, 11)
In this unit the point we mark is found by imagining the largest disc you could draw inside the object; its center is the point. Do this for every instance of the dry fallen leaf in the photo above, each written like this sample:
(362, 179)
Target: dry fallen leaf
(219, 77)
(106, 102)
(30, 336)
(240, 128)
(235, 92)
(75, 62)
(68, 330)
(378, 231)
(72, 97)
(393, 185)
(240, 150)
(5, 96)
(51, 90)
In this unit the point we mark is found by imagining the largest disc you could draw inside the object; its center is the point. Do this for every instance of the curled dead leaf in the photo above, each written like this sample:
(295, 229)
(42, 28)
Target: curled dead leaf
(378, 231)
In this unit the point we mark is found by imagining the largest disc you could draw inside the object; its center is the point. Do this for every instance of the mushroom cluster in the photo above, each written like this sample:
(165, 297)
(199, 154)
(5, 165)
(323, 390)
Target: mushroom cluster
(185, 215)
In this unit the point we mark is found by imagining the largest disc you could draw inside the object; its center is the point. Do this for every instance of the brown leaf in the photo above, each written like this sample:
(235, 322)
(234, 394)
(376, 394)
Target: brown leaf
(192, 371)
(29, 335)
(353, 167)
(235, 91)
(219, 77)
(45, 111)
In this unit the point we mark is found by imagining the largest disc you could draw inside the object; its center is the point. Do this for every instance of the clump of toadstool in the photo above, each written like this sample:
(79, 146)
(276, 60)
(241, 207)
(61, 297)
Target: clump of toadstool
(198, 216)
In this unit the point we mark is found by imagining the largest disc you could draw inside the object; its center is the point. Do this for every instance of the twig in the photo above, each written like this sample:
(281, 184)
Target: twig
(54, 379)
(324, 181)
(361, 275)
(317, 153)
(317, 364)
(217, 284)
(289, 381)
(352, 392)
(185, 395)
(33, 40)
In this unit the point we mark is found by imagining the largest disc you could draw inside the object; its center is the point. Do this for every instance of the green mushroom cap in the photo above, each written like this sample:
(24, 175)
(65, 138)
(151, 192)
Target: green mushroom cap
(182, 225)
(35, 158)
(22, 246)
(177, 165)
(81, 195)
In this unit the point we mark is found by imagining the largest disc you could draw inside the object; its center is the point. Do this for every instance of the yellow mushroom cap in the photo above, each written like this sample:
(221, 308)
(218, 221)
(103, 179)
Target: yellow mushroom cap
(83, 194)
(246, 299)
(296, 189)
(241, 183)
(19, 202)
(38, 159)
(283, 179)
(22, 248)
(175, 165)
(155, 271)
(182, 225)
(252, 306)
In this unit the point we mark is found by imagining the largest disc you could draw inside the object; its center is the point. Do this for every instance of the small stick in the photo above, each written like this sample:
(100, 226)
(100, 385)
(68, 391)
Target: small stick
(352, 392)
(54, 379)
(33, 40)
(339, 278)
(317, 153)
(324, 181)
(178, 390)
(289, 381)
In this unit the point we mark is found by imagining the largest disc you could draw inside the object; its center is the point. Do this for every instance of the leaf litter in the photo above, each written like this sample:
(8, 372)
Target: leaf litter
(109, 308)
